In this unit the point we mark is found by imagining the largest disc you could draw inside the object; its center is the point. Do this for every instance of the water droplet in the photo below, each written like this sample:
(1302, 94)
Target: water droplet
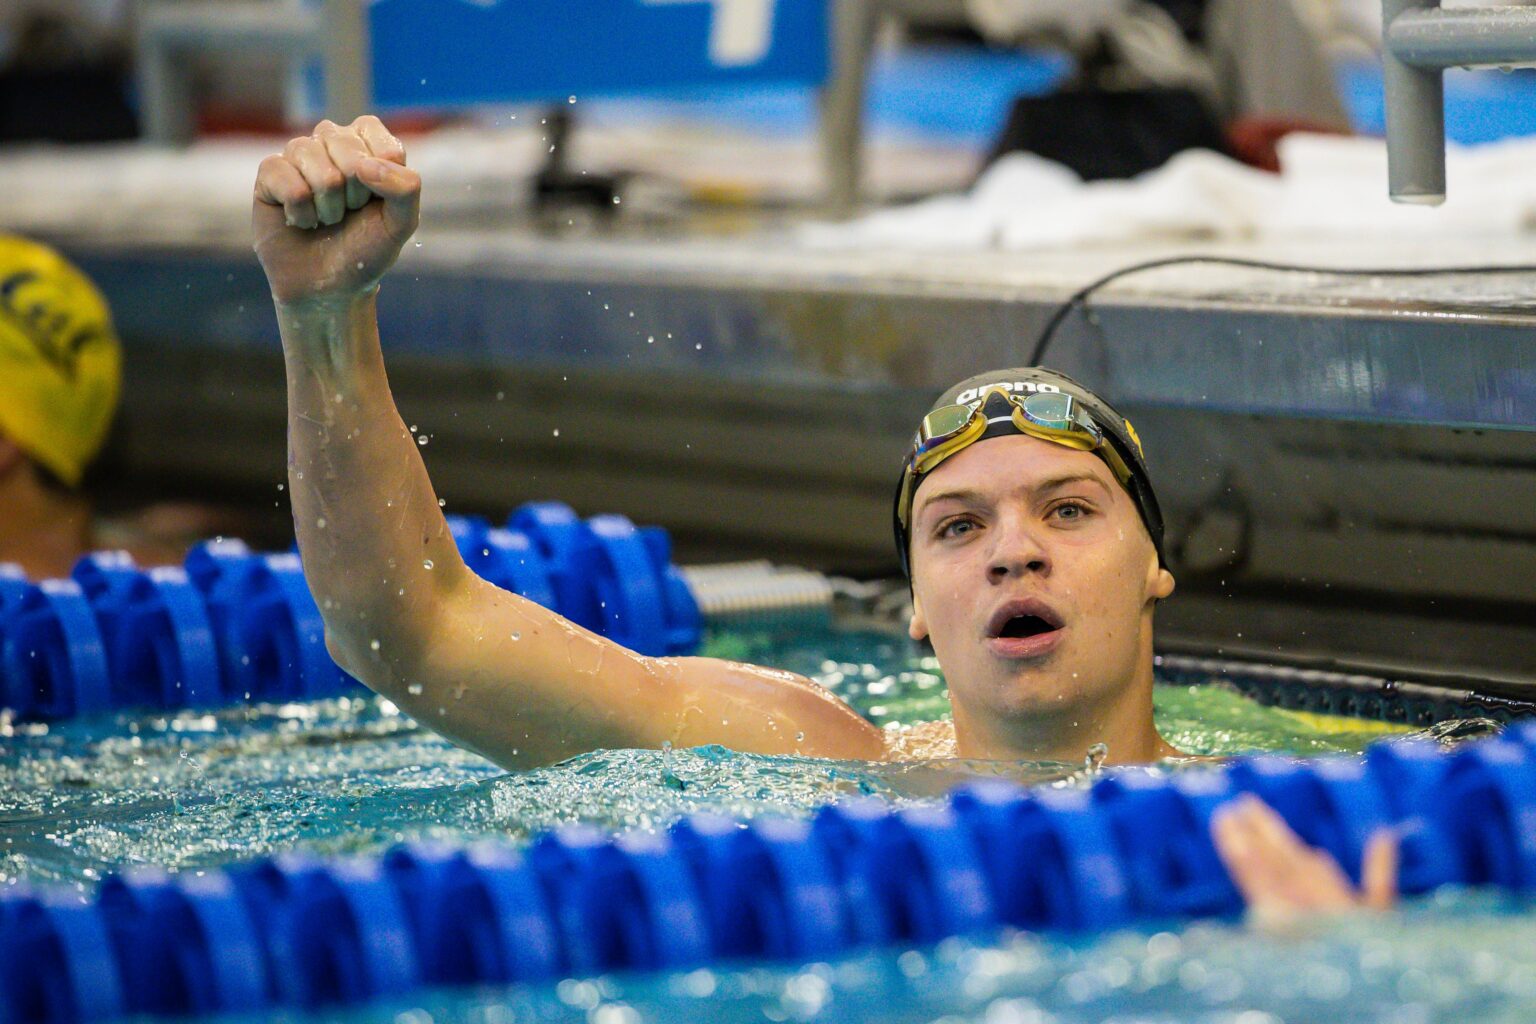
(651, 340)
(571, 100)
(373, 644)
(799, 737)
(359, 264)
(414, 689)
(615, 200)
(583, 655)
(1094, 759)
(442, 502)
(422, 440)
(319, 524)
(427, 564)
(557, 431)
(698, 346)
(516, 635)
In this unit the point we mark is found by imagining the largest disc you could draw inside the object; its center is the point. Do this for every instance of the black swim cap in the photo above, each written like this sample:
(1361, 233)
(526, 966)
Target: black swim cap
(1118, 432)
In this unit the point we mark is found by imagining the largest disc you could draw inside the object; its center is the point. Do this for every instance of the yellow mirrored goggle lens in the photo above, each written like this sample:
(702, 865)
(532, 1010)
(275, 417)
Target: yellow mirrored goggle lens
(936, 445)
(945, 421)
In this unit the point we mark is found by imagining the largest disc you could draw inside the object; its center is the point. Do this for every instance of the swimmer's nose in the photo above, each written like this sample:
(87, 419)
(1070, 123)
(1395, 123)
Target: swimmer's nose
(1016, 551)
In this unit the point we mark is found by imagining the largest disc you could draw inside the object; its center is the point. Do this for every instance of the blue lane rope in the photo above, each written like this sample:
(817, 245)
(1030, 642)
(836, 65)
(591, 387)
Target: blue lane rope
(1135, 848)
(233, 625)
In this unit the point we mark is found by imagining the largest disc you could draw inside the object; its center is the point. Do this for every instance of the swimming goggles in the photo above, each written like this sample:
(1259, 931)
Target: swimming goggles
(1050, 416)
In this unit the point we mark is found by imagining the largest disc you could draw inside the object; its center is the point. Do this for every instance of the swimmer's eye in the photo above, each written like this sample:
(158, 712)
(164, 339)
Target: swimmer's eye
(1071, 511)
(955, 528)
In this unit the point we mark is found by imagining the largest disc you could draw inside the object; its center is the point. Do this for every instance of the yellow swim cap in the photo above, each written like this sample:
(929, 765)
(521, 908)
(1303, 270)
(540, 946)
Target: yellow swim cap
(60, 363)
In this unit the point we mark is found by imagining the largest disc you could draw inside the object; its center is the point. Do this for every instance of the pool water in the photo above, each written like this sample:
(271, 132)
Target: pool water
(353, 775)
(1457, 958)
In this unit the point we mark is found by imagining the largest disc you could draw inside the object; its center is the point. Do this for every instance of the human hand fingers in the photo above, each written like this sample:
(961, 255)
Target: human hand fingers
(1308, 879)
(1277, 874)
(325, 180)
(400, 188)
(380, 141)
(346, 147)
(1378, 871)
(1241, 853)
(386, 175)
(279, 183)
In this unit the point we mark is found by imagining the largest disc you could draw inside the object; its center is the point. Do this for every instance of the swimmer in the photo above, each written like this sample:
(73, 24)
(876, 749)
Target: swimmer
(60, 379)
(1024, 516)
(60, 370)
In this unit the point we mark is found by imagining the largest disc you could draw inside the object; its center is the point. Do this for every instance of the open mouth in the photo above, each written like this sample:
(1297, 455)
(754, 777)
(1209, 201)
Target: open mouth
(1022, 626)
(1020, 620)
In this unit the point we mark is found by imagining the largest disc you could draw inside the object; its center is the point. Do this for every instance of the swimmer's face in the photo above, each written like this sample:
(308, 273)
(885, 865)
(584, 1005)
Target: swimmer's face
(1034, 579)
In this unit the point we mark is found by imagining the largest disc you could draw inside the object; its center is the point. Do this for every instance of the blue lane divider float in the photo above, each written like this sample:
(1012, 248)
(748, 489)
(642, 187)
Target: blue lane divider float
(233, 625)
(52, 662)
(270, 635)
(155, 630)
(12, 583)
(1135, 848)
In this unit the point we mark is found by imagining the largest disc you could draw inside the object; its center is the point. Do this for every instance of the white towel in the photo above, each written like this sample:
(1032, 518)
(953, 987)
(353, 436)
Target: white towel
(1328, 186)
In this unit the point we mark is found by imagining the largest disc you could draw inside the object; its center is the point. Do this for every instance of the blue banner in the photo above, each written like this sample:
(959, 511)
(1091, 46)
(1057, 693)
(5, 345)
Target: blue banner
(435, 53)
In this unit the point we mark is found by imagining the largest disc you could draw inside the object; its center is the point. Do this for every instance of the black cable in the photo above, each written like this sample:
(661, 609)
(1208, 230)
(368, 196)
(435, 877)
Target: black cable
(1080, 297)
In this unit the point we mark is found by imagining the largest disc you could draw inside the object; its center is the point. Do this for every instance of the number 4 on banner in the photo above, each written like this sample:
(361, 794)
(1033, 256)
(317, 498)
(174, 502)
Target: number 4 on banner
(740, 31)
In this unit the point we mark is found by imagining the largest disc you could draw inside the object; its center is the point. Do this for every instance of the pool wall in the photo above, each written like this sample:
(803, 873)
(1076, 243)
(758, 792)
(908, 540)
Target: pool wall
(1345, 464)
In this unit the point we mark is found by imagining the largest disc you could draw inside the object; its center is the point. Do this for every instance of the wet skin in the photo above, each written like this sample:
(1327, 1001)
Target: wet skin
(1016, 527)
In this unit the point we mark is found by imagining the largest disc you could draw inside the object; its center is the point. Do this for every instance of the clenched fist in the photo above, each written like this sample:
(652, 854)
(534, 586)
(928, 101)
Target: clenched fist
(332, 211)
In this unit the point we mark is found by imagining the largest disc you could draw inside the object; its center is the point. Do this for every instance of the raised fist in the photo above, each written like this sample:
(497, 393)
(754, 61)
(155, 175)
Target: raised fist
(332, 211)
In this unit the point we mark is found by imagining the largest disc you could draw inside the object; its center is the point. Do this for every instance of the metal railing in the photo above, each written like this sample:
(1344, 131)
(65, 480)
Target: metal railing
(1419, 42)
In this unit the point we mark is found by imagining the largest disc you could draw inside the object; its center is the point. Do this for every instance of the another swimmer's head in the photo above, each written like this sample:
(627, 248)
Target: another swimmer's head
(1035, 558)
(60, 363)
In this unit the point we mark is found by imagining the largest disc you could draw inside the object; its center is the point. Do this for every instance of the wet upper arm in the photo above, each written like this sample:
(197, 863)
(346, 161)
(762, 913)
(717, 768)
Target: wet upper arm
(767, 711)
(524, 687)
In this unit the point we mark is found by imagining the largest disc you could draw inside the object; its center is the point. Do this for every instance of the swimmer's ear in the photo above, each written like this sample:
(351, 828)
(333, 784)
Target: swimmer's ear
(917, 627)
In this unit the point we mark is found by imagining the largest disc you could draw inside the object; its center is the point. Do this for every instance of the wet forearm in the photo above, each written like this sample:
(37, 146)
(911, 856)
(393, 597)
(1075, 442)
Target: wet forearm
(376, 549)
